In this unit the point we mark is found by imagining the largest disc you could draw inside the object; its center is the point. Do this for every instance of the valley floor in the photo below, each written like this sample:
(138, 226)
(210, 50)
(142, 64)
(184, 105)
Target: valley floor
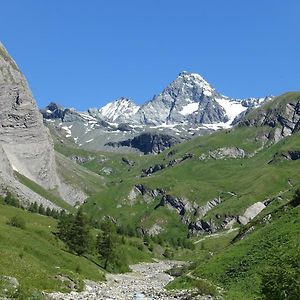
(146, 281)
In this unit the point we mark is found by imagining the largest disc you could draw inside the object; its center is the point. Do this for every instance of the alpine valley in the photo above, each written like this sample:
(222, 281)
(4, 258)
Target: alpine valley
(192, 183)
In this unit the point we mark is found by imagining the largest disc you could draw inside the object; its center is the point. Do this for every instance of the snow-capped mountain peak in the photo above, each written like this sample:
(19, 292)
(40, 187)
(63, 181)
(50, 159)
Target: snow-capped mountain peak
(119, 110)
(191, 79)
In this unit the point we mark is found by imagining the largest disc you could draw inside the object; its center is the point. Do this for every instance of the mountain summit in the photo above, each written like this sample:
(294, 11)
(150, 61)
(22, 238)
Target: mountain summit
(188, 106)
(119, 111)
(189, 99)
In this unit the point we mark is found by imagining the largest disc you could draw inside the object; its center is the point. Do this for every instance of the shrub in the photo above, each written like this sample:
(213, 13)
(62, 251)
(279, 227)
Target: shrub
(204, 287)
(17, 221)
(281, 280)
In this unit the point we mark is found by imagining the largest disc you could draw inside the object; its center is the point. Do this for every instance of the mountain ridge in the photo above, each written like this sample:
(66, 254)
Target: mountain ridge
(187, 107)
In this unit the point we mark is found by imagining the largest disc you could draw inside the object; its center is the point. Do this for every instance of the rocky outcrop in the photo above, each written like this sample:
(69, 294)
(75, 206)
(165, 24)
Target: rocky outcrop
(139, 191)
(148, 142)
(25, 141)
(285, 155)
(127, 161)
(191, 214)
(227, 152)
(282, 116)
(251, 212)
(202, 227)
(81, 159)
(203, 210)
(154, 230)
(179, 204)
(53, 111)
(158, 167)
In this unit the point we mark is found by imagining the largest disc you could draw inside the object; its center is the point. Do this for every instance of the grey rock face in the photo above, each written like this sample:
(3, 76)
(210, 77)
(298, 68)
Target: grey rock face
(148, 142)
(227, 152)
(203, 210)
(282, 118)
(25, 141)
(251, 212)
(189, 98)
(53, 111)
(202, 227)
(118, 111)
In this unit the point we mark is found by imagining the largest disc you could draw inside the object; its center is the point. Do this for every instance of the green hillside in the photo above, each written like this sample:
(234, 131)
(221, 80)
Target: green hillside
(35, 256)
(239, 182)
(268, 244)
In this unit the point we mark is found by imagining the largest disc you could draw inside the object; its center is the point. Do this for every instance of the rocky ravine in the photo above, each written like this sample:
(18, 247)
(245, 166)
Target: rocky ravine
(146, 281)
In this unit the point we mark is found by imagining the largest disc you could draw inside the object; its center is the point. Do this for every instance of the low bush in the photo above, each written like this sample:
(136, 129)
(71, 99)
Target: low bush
(17, 221)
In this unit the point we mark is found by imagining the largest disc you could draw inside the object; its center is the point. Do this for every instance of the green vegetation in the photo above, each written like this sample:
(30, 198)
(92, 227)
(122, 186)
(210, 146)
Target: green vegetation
(252, 265)
(106, 243)
(17, 221)
(112, 229)
(281, 278)
(75, 232)
(36, 257)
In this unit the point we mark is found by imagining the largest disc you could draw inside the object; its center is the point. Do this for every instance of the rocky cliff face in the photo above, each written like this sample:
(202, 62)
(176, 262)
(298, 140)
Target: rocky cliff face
(281, 116)
(189, 98)
(25, 141)
(148, 142)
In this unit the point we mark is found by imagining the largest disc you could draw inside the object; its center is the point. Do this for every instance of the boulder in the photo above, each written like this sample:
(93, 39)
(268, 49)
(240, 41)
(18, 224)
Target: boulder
(251, 212)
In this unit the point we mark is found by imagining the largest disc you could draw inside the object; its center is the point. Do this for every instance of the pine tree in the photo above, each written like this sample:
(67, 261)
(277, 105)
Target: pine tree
(41, 209)
(64, 226)
(106, 243)
(33, 207)
(79, 238)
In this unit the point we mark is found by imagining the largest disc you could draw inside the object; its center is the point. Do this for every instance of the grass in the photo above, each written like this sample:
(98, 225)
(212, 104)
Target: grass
(35, 256)
(239, 267)
(250, 179)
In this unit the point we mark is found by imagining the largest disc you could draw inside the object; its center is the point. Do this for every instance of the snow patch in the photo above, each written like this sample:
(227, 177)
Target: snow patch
(189, 108)
(233, 109)
(67, 129)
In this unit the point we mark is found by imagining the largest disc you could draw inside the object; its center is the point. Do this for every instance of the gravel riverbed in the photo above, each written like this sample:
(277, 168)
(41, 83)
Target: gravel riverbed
(145, 282)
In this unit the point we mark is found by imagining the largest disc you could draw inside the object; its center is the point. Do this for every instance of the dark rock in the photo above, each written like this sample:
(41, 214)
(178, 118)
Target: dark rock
(153, 169)
(53, 111)
(148, 142)
(202, 227)
(124, 127)
(127, 161)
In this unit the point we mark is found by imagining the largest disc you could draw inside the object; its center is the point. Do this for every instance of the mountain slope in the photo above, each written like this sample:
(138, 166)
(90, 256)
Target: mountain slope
(208, 183)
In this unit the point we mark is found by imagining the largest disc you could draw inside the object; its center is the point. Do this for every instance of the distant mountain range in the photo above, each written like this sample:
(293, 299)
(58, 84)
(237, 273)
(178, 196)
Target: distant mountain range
(188, 106)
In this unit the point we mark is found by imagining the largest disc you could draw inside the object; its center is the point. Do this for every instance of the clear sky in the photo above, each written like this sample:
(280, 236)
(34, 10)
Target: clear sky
(86, 53)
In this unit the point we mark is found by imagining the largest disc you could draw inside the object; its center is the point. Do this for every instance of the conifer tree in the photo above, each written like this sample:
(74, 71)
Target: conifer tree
(41, 209)
(79, 238)
(106, 243)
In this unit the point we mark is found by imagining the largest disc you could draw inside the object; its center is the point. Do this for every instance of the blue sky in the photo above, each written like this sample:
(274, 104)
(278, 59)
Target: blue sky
(87, 53)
